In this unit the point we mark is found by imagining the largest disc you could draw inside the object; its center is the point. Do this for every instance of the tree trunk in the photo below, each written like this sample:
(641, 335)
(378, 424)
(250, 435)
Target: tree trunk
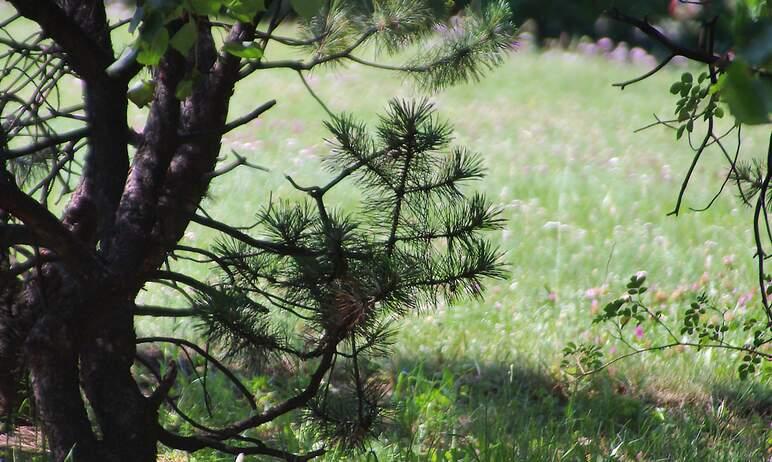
(70, 329)
(125, 417)
(51, 357)
(66, 352)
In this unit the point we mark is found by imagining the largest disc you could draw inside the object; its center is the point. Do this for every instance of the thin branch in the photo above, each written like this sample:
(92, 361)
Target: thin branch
(289, 41)
(732, 169)
(165, 384)
(177, 288)
(308, 65)
(291, 404)
(387, 67)
(86, 56)
(11, 234)
(767, 356)
(183, 279)
(240, 160)
(187, 137)
(688, 175)
(659, 37)
(213, 258)
(51, 232)
(165, 312)
(48, 142)
(645, 76)
(175, 408)
(314, 95)
(196, 443)
(760, 253)
(274, 247)
(33, 262)
(224, 369)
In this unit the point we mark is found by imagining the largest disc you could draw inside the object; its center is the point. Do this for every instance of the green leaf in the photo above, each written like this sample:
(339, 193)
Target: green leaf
(680, 132)
(307, 8)
(184, 38)
(248, 50)
(184, 89)
(151, 51)
(686, 77)
(675, 88)
(206, 7)
(758, 50)
(141, 93)
(749, 99)
(245, 10)
(756, 8)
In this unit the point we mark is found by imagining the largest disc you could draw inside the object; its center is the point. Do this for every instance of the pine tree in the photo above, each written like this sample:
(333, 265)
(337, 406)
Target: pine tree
(346, 276)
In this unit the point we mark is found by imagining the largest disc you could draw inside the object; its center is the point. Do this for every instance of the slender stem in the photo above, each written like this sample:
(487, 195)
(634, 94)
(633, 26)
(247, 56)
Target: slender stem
(760, 253)
(645, 76)
(695, 159)
(767, 356)
(224, 369)
(314, 95)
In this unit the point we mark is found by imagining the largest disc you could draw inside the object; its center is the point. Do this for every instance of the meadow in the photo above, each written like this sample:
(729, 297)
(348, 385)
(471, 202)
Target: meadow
(585, 200)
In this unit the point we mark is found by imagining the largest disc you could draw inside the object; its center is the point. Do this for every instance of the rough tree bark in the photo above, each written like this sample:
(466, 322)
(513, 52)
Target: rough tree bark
(72, 323)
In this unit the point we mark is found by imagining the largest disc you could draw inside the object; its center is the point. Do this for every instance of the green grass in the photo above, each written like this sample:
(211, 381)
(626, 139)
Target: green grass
(585, 200)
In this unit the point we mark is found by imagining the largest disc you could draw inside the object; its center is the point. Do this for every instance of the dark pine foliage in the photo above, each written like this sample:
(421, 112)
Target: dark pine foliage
(338, 279)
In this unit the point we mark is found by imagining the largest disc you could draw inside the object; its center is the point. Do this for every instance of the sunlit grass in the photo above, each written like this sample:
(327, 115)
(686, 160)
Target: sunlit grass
(585, 200)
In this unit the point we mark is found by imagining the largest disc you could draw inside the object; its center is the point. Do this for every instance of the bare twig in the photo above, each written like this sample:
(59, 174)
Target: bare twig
(187, 137)
(688, 175)
(659, 37)
(645, 76)
(240, 160)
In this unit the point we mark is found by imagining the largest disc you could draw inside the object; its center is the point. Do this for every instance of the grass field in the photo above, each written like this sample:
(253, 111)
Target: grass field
(585, 200)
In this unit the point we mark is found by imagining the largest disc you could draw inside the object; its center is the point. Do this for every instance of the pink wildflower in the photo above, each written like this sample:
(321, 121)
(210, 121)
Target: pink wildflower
(639, 331)
(744, 299)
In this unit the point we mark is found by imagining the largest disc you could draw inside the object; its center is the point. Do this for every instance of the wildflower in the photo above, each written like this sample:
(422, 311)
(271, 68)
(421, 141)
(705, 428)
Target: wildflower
(638, 332)
(640, 276)
(744, 299)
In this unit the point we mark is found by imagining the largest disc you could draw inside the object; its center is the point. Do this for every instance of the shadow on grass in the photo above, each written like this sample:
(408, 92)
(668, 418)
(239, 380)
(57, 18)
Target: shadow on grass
(467, 411)
(464, 411)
